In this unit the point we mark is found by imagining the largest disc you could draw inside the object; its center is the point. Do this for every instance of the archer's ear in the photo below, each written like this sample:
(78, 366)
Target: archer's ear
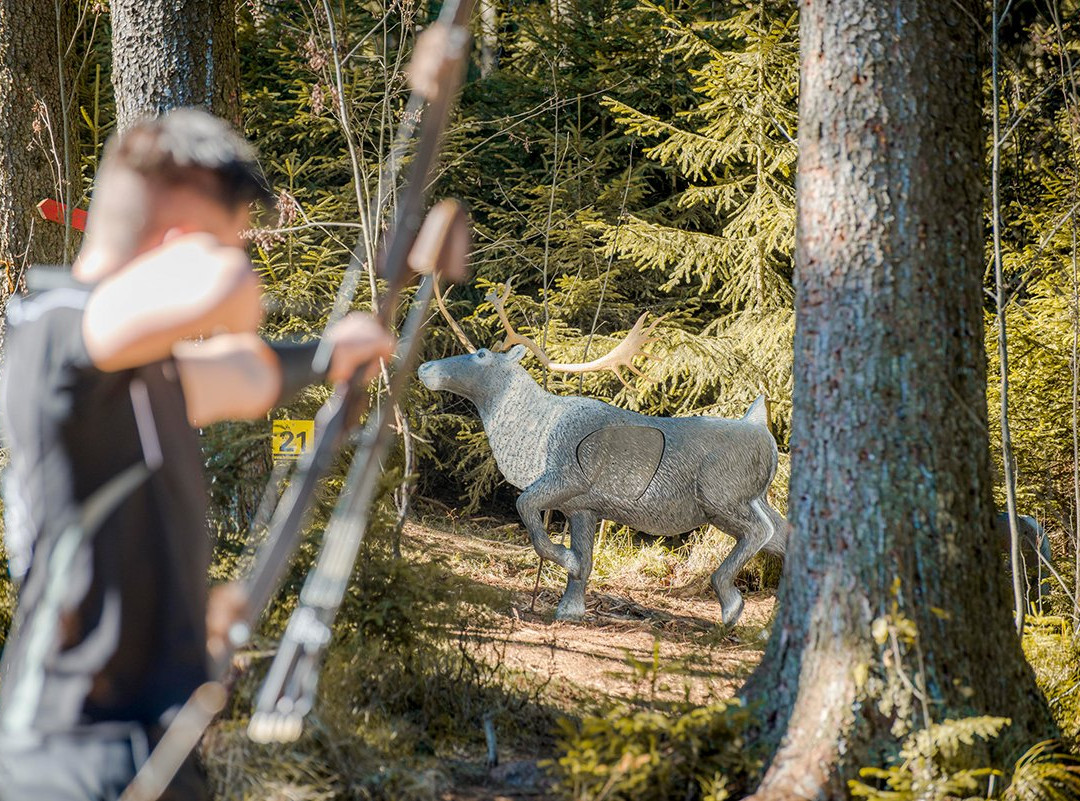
(516, 353)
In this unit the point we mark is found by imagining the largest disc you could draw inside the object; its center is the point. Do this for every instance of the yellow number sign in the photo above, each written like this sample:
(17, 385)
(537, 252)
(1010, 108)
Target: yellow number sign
(292, 438)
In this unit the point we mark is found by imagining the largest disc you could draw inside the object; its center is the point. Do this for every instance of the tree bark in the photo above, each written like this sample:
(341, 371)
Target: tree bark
(172, 54)
(225, 101)
(890, 495)
(34, 162)
(489, 37)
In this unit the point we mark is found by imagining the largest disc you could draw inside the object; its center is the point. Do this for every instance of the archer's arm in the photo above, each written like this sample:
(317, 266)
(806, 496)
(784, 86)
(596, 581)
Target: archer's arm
(239, 376)
(189, 287)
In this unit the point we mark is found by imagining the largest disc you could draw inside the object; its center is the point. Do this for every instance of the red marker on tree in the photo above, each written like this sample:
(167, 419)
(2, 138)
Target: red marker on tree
(53, 210)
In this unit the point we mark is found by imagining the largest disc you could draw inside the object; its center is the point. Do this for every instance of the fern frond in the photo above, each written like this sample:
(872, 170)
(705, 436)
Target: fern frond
(946, 739)
(1045, 774)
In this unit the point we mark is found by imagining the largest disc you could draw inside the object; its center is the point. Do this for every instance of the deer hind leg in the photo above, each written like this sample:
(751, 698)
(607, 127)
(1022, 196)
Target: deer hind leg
(582, 534)
(752, 528)
(777, 543)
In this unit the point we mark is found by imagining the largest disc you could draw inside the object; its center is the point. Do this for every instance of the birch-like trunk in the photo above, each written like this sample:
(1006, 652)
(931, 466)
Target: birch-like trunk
(890, 494)
(489, 37)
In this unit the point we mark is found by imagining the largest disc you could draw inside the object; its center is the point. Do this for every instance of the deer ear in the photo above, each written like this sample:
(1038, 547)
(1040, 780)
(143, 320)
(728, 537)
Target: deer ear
(516, 353)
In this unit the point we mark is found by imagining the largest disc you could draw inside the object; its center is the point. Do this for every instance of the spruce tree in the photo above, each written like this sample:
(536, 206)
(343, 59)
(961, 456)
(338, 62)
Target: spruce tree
(885, 578)
(727, 234)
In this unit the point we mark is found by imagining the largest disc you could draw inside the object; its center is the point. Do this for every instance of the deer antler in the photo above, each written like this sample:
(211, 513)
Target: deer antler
(622, 355)
(512, 336)
(462, 338)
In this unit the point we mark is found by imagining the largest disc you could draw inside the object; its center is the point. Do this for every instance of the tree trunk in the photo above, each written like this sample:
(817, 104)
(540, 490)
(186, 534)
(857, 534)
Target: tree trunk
(489, 37)
(890, 494)
(35, 152)
(225, 101)
(172, 54)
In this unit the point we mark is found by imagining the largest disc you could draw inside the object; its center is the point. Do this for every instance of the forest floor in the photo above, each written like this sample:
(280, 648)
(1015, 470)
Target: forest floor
(409, 725)
(486, 660)
(645, 641)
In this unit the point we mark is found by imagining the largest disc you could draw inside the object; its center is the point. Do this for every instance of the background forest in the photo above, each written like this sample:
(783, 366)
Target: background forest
(618, 157)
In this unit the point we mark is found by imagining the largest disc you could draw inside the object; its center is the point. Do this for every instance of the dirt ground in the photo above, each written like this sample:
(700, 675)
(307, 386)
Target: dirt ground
(632, 643)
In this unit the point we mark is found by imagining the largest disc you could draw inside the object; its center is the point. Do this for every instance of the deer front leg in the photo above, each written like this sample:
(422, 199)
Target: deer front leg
(550, 493)
(582, 534)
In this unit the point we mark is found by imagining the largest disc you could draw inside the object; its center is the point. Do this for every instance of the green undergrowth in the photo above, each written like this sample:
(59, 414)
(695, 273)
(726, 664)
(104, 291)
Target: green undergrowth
(1053, 651)
(638, 752)
(944, 761)
(950, 759)
(647, 749)
(700, 753)
(642, 750)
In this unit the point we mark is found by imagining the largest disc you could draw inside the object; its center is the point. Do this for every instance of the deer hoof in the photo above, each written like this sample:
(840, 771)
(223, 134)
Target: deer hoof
(570, 609)
(731, 606)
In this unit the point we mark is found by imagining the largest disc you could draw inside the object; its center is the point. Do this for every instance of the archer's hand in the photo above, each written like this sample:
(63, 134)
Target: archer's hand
(359, 341)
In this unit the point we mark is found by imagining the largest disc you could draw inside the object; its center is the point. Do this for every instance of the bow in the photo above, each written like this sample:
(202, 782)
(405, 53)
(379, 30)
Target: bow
(437, 245)
(288, 692)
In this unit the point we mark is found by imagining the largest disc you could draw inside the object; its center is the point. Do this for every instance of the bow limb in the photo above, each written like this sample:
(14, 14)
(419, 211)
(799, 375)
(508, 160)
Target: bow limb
(288, 692)
(435, 74)
(443, 62)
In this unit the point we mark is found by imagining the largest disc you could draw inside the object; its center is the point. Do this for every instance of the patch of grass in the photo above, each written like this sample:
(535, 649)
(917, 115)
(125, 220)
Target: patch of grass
(625, 559)
(1053, 651)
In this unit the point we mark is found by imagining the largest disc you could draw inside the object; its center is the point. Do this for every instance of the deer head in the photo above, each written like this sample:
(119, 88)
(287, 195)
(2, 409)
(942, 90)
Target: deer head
(474, 375)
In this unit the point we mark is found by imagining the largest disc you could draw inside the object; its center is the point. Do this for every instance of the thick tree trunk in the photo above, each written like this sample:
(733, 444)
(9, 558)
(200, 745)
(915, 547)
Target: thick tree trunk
(172, 54)
(34, 162)
(890, 498)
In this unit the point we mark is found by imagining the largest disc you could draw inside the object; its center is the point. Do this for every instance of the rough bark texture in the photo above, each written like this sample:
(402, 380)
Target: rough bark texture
(32, 164)
(172, 54)
(226, 61)
(890, 498)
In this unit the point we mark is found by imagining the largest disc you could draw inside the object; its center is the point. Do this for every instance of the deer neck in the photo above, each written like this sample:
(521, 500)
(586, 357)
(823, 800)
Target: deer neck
(518, 419)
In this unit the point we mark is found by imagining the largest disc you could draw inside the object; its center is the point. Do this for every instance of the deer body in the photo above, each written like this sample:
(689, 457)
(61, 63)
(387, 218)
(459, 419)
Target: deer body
(592, 461)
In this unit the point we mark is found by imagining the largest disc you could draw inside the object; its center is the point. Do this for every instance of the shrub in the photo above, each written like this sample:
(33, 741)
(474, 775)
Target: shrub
(699, 753)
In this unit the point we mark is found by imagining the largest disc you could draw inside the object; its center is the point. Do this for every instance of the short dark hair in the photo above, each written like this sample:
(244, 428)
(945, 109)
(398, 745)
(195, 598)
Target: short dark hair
(190, 147)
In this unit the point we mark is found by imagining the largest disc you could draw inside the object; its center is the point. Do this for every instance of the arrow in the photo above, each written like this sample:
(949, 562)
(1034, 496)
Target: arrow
(53, 211)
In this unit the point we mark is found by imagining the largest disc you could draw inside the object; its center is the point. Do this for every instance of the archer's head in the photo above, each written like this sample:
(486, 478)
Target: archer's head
(184, 172)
